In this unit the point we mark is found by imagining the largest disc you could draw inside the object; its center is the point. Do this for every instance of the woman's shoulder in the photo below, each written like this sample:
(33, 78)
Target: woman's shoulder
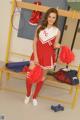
(38, 27)
(56, 28)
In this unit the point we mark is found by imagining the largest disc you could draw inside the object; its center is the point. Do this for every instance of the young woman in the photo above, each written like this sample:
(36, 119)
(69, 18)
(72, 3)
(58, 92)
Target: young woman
(45, 41)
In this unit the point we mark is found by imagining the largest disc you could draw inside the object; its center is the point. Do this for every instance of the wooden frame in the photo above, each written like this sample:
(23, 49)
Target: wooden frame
(73, 14)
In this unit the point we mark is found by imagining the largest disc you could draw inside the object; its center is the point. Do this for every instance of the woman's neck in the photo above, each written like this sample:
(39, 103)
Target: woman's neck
(49, 26)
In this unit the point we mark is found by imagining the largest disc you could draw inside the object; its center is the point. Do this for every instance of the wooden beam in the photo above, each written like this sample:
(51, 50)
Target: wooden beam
(73, 14)
(32, 6)
(20, 55)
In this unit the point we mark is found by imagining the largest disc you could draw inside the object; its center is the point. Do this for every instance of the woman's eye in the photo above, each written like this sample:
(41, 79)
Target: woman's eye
(51, 17)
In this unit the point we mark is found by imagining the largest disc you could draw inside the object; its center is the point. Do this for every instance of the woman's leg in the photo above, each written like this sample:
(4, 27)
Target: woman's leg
(28, 92)
(39, 85)
(38, 88)
(28, 83)
(28, 88)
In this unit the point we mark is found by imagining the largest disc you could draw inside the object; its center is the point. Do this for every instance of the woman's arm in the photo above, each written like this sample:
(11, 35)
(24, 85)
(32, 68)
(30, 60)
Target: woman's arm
(57, 44)
(35, 46)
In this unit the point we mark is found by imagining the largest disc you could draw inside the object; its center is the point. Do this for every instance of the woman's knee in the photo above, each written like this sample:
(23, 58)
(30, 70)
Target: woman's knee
(32, 65)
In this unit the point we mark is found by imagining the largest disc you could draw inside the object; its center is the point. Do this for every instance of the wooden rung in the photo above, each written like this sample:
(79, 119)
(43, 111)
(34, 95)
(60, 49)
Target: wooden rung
(31, 6)
(19, 54)
(56, 82)
(73, 14)
(6, 70)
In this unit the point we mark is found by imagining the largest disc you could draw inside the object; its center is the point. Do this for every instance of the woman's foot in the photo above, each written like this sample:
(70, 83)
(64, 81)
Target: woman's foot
(27, 99)
(35, 103)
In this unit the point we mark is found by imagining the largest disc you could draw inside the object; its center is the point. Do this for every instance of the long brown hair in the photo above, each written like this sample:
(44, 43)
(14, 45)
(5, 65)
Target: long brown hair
(45, 22)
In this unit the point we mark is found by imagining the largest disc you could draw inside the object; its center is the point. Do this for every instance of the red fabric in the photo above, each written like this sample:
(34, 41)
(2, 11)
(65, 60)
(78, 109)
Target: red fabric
(36, 15)
(66, 55)
(35, 75)
(37, 89)
(62, 76)
(45, 52)
(26, 69)
(28, 87)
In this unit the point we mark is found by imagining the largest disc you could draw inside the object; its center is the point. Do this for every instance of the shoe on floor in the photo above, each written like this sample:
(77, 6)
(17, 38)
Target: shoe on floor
(35, 103)
(26, 101)
(57, 108)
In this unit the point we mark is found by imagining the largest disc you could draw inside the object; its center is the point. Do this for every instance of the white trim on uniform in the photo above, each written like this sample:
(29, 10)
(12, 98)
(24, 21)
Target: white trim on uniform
(48, 34)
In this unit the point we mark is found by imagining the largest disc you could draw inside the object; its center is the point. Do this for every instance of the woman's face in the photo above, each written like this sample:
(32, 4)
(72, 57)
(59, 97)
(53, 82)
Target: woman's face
(51, 18)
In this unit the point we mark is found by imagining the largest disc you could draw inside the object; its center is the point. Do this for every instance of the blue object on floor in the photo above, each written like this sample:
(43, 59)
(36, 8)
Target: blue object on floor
(57, 108)
(17, 66)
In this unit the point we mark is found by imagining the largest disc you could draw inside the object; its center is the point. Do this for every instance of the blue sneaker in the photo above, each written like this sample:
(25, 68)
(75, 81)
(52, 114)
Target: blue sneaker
(57, 108)
(60, 107)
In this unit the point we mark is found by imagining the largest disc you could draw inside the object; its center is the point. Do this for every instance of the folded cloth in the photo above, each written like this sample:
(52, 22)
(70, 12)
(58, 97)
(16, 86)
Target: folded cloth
(17, 66)
(73, 75)
(69, 77)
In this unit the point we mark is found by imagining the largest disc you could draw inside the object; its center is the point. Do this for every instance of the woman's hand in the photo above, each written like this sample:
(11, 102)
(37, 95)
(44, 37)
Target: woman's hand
(36, 60)
(57, 45)
(33, 63)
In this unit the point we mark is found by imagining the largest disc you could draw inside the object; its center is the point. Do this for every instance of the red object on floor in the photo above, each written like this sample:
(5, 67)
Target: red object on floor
(66, 55)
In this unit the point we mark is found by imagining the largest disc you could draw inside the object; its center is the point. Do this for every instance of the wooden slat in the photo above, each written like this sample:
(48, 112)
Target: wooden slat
(4, 69)
(19, 54)
(65, 13)
(31, 6)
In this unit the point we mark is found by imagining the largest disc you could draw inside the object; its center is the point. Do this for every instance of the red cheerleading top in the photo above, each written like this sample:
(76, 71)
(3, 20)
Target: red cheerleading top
(45, 47)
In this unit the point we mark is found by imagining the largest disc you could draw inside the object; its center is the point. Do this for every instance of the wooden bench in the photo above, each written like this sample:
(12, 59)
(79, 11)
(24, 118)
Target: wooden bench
(49, 82)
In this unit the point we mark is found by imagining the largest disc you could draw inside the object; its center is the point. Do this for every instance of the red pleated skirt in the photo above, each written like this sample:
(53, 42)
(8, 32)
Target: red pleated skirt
(46, 54)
